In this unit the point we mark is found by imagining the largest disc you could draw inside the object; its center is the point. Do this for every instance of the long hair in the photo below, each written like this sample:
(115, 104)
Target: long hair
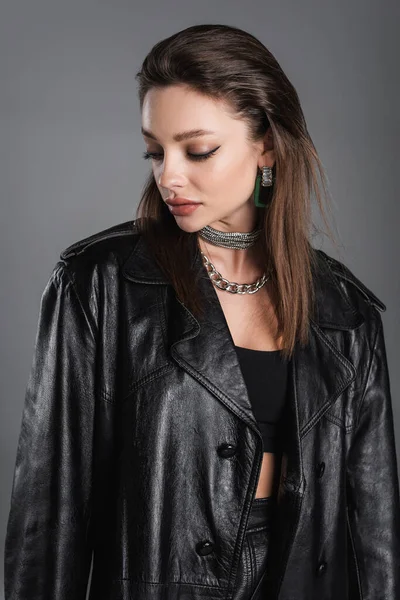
(227, 63)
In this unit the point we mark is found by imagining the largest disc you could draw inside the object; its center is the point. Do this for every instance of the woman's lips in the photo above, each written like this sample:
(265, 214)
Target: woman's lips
(182, 210)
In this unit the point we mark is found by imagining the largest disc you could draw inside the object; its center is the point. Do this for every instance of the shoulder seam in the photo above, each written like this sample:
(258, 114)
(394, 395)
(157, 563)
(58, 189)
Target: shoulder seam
(61, 268)
(78, 247)
(343, 272)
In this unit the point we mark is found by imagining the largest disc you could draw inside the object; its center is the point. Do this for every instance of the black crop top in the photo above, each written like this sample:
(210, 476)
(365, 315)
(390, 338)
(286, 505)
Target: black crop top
(265, 375)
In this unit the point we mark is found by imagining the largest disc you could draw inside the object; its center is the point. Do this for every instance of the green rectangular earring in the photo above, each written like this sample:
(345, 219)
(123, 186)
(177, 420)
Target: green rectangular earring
(267, 181)
(257, 201)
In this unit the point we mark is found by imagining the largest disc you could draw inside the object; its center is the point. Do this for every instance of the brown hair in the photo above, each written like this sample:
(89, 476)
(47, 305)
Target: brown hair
(227, 63)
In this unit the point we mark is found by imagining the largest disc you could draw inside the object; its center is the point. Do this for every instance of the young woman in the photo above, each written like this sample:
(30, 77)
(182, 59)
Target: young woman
(208, 414)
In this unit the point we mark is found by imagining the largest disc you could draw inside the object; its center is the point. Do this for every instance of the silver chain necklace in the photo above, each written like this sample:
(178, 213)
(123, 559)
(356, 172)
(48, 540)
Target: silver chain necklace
(231, 286)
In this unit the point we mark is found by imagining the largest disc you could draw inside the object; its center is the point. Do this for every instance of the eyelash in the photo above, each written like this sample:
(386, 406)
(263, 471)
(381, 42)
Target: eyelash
(195, 157)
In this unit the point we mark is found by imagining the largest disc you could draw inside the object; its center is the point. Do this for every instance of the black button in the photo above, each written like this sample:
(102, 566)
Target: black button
(320, 469)
(226, 450)
(321, 568)
(204, 548)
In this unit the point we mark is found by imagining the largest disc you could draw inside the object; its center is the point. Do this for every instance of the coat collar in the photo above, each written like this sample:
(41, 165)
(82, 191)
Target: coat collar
(333, 309)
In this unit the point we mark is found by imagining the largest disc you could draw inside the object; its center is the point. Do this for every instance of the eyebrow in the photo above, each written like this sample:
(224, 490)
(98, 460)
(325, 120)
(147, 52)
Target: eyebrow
(184, 135)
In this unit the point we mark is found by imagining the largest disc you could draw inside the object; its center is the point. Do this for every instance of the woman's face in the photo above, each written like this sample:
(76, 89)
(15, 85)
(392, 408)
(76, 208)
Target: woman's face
(222, 183)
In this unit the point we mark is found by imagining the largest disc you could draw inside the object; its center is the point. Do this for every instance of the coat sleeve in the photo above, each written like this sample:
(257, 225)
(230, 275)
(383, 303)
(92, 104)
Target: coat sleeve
(47, 549)
(373, 487)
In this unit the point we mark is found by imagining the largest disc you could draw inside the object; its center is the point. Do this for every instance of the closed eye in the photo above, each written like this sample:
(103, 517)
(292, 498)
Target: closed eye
(196, 157)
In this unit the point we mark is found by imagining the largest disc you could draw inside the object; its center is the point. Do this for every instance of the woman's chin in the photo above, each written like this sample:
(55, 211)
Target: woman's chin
(188, 225)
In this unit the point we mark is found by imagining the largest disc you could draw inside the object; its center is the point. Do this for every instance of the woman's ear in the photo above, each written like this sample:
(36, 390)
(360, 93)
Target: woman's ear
(267, 158)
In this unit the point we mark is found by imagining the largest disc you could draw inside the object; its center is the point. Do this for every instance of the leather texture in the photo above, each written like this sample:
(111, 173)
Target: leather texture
(251, 580)
(138, 443)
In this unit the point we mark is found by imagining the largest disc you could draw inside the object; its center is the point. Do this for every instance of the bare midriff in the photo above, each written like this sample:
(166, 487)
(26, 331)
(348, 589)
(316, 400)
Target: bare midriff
(265, 481)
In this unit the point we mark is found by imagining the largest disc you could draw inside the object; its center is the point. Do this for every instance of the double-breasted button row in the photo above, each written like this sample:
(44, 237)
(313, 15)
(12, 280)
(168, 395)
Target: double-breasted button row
(225, 450)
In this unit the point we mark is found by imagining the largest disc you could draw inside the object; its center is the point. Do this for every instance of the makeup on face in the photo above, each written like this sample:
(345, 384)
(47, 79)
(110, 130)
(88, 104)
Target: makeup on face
(183, 210)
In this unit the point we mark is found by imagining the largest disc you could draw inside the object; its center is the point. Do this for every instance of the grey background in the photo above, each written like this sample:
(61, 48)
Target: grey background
(70, 144)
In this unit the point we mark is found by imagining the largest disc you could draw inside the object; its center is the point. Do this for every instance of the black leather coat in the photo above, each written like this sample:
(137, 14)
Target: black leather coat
(138, 442)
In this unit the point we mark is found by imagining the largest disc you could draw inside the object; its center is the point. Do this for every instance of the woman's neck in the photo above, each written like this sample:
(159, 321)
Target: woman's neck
(242, 266)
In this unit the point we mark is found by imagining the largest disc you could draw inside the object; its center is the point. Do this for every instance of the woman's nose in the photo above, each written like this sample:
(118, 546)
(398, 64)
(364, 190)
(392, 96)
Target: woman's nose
(170, 174)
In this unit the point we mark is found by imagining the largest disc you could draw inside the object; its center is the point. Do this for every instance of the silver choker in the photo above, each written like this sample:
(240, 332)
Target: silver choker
(230, 239)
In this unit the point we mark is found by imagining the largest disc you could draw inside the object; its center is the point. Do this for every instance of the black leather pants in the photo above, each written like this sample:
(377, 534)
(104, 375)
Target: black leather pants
(251, 581)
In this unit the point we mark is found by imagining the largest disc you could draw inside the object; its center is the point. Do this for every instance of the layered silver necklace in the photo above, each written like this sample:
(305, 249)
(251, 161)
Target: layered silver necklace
(237, 241)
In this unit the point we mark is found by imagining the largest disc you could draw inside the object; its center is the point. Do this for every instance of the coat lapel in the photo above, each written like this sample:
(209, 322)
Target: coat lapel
(318, 373)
